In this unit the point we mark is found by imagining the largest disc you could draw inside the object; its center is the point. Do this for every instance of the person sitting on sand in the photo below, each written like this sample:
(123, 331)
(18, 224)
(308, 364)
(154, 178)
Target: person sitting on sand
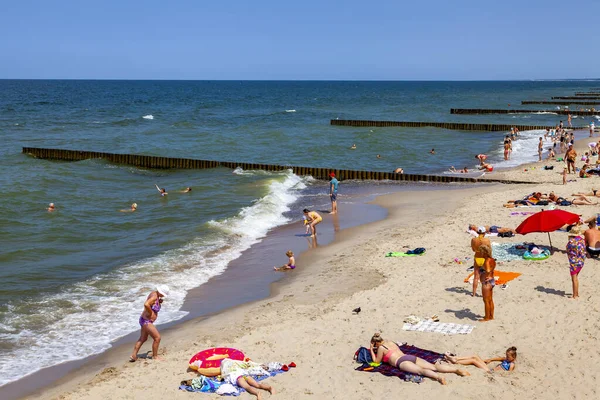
(592, 239)
(388, 352)
(551, 153)
(486, 275)
(492, 229)
(291, 262)
(51, 207)
(583, 172)
(507, 363)
(132, 209)
(313, 220)
(486, 167)
(152, 306)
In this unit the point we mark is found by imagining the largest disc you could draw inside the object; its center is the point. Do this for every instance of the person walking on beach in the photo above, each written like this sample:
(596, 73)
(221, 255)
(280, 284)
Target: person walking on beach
(569, 120)
(151, 308)
(570, 157)
(313, 220)
(592, 127)
(506, 147)
(478, 258)
(486, 273)
(540, 148)
(333, 188)
(576, 255)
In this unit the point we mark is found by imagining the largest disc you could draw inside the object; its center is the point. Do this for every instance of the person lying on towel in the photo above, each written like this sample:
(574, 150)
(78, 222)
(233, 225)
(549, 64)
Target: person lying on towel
(388, 352)
(492, 229)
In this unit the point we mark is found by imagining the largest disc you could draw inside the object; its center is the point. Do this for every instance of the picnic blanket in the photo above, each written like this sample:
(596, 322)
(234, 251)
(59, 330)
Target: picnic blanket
(388, 370)
(447, 328)
(500, 277)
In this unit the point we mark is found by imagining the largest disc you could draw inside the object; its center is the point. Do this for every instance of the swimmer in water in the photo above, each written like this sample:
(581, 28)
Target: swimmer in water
(432, 151)
(186, 190)
(353, 147)
(51, 207)
(162, 191)
(378, 156)
(132, 209)
(398, 171)
(452, 169)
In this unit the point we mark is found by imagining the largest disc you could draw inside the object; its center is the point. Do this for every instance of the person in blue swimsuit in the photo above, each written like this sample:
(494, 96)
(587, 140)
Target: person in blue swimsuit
(333, 188)
(507, 363)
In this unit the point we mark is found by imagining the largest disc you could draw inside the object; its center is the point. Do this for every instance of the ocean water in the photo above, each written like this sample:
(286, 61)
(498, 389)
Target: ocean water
(75, 280)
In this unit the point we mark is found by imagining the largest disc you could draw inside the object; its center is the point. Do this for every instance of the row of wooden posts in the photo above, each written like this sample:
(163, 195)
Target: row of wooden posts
(445, 125)
(518, 111)
(145, 161)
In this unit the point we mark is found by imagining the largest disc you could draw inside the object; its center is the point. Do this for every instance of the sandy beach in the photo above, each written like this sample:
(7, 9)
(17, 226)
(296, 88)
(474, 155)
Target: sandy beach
(308, 317)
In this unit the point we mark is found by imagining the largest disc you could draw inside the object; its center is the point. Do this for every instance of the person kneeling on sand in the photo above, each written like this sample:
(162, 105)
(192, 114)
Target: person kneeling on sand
(388, 352)
(291, 262)
(507, 364)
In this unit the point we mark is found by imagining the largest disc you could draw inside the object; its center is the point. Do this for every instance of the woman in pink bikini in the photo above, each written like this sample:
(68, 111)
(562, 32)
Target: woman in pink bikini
(149, 315)
(389, 352)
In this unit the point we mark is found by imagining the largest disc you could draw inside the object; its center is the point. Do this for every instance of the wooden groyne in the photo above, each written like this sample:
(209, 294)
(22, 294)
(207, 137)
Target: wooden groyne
(576, 97)
(559, 103)
(444, 125)
(188, 163)
(518, 111)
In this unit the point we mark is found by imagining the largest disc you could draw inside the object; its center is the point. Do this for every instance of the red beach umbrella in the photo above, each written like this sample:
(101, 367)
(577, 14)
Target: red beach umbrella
(547, 221)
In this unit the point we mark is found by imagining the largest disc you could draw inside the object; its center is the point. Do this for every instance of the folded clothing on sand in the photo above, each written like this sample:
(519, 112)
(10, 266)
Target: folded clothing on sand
(410, 253)
(499, 276)
(446, 328)
(389, 370)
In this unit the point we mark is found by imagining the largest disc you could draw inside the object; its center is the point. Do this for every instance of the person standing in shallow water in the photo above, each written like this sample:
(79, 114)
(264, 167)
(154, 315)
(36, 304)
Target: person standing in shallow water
(151, 308)
(333, 188)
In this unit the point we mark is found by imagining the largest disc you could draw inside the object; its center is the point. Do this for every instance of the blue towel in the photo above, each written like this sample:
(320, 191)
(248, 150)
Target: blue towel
(205, 384)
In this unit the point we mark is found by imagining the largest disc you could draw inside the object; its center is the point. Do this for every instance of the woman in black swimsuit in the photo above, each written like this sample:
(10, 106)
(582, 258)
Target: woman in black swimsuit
(389, 352)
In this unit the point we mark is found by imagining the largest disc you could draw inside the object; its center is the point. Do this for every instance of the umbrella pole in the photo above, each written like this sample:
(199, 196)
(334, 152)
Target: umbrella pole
(550, 239)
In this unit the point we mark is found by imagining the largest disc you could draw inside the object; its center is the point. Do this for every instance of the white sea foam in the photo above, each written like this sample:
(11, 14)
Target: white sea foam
(524, 150)
(83, 319)
(545, 112)
(290, 110)
(149, 116)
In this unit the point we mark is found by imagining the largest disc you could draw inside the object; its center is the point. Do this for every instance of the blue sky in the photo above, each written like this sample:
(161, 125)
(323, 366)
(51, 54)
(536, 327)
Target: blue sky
(337, 40)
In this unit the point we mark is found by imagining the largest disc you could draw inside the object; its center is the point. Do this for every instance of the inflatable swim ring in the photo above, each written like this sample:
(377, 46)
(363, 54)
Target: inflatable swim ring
(542, 256)
(208, 362)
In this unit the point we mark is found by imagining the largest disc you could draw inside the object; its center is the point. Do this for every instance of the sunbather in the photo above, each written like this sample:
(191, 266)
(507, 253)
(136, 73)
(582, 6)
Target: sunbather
(594, 192)
(388, 352)
(579, 200)
(508, 362)
(492, 229)
(529, 200)
(240, 373)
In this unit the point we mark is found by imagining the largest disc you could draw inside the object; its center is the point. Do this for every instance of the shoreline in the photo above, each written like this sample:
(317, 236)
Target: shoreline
(71, 380)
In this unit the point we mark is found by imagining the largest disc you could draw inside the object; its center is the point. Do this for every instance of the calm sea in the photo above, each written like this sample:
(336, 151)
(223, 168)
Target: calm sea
(74, 280)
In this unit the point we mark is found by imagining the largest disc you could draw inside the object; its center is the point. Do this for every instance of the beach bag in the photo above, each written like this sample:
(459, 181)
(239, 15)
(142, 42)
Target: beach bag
(506, 234)
(363, 355)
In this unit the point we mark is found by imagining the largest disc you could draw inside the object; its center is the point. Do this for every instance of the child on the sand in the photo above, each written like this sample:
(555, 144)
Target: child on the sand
(507, 364)
(291, 262)
(307, 224)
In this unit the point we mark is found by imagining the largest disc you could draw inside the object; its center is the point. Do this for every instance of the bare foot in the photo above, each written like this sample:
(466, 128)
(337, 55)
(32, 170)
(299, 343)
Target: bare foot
(484, 320)
(462, 372)
(442, 380)
(271, 390)
(450, 358)
(258, 396)
(157, 358)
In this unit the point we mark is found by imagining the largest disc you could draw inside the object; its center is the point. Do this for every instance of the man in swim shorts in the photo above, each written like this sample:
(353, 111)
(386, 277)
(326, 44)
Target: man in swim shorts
(592, 239)
(333, 188)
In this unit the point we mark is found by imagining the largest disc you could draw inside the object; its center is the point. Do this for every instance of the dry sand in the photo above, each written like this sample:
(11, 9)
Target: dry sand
(308, 318)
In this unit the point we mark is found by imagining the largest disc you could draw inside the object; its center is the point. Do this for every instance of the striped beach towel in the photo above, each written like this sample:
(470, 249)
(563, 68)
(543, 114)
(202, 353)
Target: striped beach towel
(446, 328)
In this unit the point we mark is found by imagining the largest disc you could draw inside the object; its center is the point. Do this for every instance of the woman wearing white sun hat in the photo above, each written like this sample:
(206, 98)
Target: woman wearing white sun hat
(149, 315)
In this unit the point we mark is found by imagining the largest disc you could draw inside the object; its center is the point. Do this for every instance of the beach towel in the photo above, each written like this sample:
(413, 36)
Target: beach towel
(520, 213)
(446, 328)
(500, 277)
(508, 251)
(419, 251)
(211, 385)
(388, 370)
